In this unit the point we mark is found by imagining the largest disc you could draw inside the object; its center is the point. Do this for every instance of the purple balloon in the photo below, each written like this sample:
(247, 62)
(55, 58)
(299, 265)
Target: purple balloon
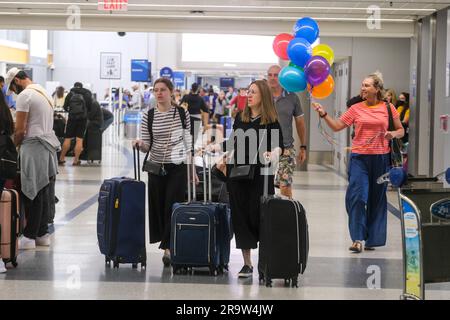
(317, 70)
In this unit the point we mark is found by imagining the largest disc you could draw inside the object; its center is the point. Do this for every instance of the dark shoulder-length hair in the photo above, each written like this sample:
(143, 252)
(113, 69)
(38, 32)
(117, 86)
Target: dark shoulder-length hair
(268, 111)
(6, 120)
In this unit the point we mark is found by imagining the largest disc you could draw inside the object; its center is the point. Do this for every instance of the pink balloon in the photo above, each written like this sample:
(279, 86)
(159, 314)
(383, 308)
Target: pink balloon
(280, 44)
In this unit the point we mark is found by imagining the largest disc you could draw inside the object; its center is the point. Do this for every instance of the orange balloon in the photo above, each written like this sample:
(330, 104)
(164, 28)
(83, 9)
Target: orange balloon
(323, 90)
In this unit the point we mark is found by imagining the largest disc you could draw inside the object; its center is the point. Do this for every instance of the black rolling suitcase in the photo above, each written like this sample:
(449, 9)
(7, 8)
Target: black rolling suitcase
(92, 145)
(284, 239)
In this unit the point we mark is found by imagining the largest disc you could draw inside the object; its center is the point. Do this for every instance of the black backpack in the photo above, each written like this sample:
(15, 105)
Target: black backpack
(77, 107)
(8, 157)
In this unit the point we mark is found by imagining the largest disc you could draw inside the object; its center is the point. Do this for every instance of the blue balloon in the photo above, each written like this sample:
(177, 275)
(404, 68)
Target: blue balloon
(292, 79)
(306, 28)
(447, 175)
(299, 51)
(398, 176)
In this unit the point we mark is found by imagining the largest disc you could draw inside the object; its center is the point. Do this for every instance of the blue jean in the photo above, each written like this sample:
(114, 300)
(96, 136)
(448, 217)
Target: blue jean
(365, 200)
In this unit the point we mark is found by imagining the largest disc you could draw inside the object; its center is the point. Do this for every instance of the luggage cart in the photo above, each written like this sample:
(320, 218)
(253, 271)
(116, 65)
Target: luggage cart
(425, 222)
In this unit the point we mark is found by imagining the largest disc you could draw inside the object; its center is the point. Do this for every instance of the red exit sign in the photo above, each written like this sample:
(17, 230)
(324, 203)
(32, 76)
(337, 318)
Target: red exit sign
(113, 5)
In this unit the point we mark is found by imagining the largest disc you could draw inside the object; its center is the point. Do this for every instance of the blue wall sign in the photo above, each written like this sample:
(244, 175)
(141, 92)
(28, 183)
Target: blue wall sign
(178, 79)
(141, 70)
(166, 72)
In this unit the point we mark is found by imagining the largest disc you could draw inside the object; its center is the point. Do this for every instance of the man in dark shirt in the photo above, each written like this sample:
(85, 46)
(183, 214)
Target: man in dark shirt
(198, 110)
(78, 98)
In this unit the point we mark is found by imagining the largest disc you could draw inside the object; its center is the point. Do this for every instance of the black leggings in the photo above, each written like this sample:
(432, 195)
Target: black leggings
(163, 192)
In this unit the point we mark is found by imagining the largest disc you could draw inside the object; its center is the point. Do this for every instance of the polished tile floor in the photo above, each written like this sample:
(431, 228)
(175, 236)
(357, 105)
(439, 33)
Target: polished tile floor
(73, 268)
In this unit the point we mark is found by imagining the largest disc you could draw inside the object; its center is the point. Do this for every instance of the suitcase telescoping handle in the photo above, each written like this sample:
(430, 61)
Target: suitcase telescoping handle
(206, 157)
(136, 163)
(191, 171)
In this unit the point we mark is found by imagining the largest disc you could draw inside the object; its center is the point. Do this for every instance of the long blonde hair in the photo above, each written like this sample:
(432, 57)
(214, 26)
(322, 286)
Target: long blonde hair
(391, 92)
(268, 111)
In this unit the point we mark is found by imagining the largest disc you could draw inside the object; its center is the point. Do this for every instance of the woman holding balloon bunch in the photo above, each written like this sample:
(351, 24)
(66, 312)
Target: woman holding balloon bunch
(365, 200)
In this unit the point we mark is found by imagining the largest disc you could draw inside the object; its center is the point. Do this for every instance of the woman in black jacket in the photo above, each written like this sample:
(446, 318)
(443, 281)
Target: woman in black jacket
(256, 139)
(6, 126)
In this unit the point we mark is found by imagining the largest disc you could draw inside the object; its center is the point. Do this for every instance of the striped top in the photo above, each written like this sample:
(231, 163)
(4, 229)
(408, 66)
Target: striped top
(371, 123)
(169, 146)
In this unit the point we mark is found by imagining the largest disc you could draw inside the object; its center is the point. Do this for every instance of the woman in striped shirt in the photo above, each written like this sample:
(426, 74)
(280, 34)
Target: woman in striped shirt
(165, 133)
(365, 200)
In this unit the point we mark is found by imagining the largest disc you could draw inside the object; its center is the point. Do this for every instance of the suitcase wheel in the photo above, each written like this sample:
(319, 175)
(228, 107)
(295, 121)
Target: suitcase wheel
(116, 264)
(143, 265)
(134, 265)
(261, 277)
(287, 282)
(268, 282)
(213, 271)
(107, 262)
(294, 282)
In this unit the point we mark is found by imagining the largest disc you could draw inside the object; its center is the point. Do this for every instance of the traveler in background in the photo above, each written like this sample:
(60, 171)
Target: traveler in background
(38, 161)
(95, 116)
(212, 98)
(9, 99)
(288, 109)
(221, 104)
(108, 119)
(230, 94)
(168, 144)
(78, 104)
(261, 117)
(177, 96)
(403, 110)
(365, 200)
(59, 98)
(391, 97)
(239, 102)
(6, 125)
(136, 98)
(198, 111)
(6, 128)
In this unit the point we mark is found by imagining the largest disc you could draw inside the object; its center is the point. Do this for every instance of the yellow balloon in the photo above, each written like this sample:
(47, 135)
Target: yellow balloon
(325, 51)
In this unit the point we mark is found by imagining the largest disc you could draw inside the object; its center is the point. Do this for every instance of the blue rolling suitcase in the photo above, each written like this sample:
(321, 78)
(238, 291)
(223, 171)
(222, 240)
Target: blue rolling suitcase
(121, 219)
(201, 233)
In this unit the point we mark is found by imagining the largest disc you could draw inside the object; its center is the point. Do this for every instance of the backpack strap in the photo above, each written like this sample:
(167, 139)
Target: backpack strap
(150, 119)
(182, 114)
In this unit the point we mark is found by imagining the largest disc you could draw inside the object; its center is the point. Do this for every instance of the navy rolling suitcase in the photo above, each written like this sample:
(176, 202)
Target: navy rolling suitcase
(284, 239)
(200, 233)
(121, 219)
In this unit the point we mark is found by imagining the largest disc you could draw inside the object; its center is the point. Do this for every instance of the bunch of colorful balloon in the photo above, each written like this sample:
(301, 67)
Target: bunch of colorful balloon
(309, 66)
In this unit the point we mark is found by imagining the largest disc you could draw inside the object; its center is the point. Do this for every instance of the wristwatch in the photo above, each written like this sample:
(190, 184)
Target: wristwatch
(303, 147)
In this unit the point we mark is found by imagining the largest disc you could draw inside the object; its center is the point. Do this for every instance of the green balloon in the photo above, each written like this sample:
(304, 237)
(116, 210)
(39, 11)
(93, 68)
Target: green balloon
(295, 66)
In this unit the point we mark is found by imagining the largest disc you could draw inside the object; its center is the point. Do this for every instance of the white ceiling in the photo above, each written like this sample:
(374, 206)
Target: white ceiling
(233, 9)
(232, 15)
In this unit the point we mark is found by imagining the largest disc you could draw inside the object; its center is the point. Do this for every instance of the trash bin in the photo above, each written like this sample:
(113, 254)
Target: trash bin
(132, 120)
(425, 220)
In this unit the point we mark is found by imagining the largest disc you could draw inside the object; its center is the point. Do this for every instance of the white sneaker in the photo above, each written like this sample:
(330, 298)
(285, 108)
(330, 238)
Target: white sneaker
(26, 243)
(43, 241)
(2, 266)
